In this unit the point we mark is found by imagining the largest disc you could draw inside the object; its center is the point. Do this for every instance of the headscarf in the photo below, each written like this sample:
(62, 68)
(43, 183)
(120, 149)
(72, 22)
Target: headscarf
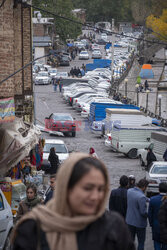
(55, 218)
(92, 151)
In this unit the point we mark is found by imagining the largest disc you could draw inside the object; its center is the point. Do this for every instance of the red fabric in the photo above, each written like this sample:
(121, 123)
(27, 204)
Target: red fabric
(92, 151)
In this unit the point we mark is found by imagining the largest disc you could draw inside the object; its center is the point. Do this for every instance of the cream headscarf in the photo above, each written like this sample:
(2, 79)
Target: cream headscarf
(55, 218)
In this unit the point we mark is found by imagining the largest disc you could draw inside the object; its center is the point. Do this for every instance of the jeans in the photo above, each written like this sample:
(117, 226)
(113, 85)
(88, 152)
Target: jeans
(141, 235)
(157, 245)
(55, 87)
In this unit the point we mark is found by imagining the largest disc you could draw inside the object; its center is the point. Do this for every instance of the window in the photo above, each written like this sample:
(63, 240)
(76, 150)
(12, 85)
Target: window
(1, 203)
(60, 148)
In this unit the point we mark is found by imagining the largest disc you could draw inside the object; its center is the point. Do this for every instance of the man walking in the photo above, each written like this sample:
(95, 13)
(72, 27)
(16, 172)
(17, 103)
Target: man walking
(118, 197)
(154, 206)
(136, 216)
(49, 194)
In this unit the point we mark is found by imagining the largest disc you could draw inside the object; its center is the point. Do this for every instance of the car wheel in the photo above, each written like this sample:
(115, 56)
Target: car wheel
(142, 164)
(7, 245)
(73, 134)
(132, 154)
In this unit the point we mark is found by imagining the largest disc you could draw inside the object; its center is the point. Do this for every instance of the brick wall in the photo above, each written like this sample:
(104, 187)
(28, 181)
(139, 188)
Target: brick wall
(38, 29)
(15, 49)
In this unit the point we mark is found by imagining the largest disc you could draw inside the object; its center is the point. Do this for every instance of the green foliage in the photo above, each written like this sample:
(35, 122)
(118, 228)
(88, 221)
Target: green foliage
(65, 29)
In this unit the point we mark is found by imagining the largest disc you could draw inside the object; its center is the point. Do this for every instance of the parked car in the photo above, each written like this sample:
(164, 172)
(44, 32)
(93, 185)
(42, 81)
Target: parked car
(42, 78)
(104, 36)
(6, 223)
(61, 122)
(61, 151)
(64, 61)
(156, 174)
(96, 54)
(84, 55)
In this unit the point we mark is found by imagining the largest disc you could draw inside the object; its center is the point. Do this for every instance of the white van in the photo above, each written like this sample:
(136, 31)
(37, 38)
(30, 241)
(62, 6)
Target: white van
(6, 222)
(158, 144)
(128, 139)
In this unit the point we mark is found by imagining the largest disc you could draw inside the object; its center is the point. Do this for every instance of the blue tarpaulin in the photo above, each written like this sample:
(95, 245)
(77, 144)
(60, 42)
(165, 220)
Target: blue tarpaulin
(108, 45)
(146, 74)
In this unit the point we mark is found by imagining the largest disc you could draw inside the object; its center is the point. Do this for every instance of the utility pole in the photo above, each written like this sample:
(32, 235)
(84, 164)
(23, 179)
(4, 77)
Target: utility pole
(112, 53)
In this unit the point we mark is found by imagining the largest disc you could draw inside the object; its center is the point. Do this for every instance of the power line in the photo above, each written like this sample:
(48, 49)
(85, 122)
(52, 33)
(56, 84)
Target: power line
(22, 68)
(90, 26)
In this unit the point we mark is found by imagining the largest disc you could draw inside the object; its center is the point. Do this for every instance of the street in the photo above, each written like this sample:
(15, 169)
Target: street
(48, 102)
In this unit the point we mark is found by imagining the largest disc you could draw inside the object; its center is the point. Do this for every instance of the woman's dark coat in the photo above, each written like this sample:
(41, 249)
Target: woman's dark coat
(107, 233)
(163, 222)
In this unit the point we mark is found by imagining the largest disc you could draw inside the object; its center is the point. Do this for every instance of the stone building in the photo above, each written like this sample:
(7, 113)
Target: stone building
(16, 52)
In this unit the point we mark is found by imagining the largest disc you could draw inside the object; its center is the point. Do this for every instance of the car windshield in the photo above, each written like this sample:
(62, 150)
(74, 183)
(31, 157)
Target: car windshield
(62, 118)
(62, 74)
(53, 70)
(18, 192)
(43, 74)
(60, 148)
(159, 169)
(84, 52)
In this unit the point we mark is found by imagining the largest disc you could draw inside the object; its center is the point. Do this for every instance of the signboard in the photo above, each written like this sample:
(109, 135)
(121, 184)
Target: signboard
(7, 110)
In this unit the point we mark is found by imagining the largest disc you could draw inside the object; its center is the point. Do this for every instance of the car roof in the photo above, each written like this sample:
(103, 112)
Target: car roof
(62, 114)
(160, 163)
(54, 141)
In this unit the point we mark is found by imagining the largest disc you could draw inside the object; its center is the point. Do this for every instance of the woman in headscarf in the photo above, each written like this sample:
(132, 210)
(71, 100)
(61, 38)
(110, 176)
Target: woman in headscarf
(54, 161)
(75, 218)
(29, 202)
(93, 153)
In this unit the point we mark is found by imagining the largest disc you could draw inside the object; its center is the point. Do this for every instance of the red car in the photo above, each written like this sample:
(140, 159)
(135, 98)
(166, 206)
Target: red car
(61, 122)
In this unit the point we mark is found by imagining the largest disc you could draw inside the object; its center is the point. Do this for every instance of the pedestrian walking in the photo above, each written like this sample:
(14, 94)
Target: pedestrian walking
(146, 86)
(165, 155)
(136, 216)
(75, 71)
(150, 157)
(92, 152)
(162, 217)
(118, 197)
(83, 67)
(75, 218)
(60, 84)
(154, 206)
(132, 181)
(49, 194)
(29, 202)
(54, 161)
(55, 84)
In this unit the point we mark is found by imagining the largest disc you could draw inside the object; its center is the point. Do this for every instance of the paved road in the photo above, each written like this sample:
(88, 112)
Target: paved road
(47, 102)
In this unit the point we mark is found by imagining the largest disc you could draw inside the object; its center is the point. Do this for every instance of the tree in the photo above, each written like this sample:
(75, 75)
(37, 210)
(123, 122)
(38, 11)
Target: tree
(62, 8)
(158, 25)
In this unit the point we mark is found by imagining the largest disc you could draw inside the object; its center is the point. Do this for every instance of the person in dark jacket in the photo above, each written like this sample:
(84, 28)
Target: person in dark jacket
(150, 157)
(72, 72)
(54, 161)
(146, 86)
(165, 155)
(75, 218)
(118, 197)
(49, 194)
(154, 206)
(162, 217)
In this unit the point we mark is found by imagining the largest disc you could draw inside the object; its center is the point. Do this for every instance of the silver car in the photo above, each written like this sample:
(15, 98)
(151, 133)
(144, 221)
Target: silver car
(156, 174)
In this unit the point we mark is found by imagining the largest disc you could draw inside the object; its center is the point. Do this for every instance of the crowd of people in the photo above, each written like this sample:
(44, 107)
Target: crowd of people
(73, 213)
(78, 72)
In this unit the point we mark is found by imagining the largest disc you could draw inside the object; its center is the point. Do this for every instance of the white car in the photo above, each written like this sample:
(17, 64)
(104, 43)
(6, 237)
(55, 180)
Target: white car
(61, 149)
(157, 173)
(95, 46)
(52, 72)
(84, 55)
(42, 78)
(6, 222)
(62, 75)
(96, 54)
(104, 36)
